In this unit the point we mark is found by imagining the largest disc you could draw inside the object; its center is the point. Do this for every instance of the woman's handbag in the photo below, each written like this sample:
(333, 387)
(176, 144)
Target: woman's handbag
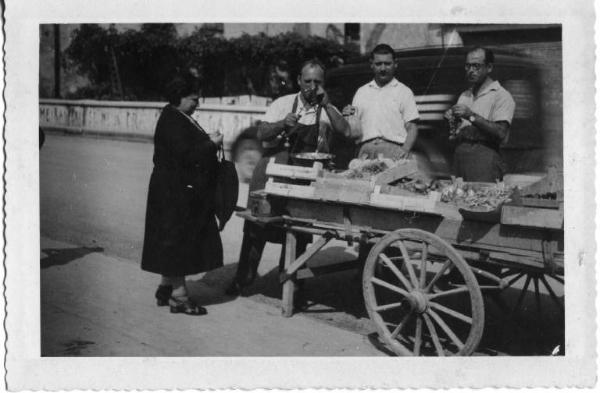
(227, 188)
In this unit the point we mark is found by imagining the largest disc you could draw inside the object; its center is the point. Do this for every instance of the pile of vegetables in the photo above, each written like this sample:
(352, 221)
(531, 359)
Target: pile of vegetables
(481, 198)
(418, 186)
(366, 169)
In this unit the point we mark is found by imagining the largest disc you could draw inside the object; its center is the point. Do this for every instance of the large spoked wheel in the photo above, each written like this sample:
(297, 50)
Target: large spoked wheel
(422, 296)
(541, 282)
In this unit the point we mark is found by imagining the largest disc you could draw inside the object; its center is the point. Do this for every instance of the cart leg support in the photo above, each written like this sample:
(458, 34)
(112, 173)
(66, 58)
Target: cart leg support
(291, 270)
(287, 296)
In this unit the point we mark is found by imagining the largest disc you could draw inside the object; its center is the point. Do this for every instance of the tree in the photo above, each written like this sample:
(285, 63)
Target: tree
(88, 54)
(147, 58)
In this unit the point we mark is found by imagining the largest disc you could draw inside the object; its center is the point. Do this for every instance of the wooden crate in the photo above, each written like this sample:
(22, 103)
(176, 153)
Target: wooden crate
(407, 168)
(259, 204)
(532, 217)
(291, 190)
(543, 203)
(425, 203)
(340, 189)
(294, 171)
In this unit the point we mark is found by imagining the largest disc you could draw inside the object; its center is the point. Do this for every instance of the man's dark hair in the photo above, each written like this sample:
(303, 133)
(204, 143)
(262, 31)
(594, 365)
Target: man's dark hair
(489, 55)
(312, 63)
(283, 66)
(181, 86)
(382, 49)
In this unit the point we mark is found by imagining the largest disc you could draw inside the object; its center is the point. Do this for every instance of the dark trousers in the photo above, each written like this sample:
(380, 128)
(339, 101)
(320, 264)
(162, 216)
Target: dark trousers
(476, 162)
(253, 245)
(255, 236)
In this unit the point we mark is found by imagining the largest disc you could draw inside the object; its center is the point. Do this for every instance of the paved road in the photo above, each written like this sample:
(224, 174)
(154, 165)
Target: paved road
(93, 194)
(97, 305)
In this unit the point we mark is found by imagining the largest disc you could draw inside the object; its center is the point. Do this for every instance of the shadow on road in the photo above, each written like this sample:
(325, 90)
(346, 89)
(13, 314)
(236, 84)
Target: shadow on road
(210, 289)
(524, 332)
(337, 299)
(333, 298)
(62, 256)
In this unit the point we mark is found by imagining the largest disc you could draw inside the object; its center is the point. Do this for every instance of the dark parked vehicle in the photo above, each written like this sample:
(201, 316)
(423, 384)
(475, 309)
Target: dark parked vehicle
(437, 77)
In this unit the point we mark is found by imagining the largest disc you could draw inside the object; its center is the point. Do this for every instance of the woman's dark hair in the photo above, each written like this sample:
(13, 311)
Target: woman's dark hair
(181, 86)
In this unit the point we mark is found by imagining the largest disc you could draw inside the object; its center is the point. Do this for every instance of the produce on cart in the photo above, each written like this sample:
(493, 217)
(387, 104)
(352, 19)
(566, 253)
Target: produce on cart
(476, 196)
(367, 168)
(434, 244)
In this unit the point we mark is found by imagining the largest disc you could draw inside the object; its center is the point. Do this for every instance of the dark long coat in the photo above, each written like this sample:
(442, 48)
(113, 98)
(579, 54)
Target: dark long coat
(181, 236)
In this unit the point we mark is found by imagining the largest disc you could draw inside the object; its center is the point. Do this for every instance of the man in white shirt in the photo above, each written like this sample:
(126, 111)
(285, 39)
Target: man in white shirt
(386, 109)
(387, 114)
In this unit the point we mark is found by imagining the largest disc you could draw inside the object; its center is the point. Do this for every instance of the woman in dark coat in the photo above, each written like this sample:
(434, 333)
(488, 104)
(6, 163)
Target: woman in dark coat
(181, 236)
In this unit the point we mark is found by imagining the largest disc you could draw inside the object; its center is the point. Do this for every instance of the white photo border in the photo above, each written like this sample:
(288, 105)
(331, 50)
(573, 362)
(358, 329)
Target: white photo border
(27, 370)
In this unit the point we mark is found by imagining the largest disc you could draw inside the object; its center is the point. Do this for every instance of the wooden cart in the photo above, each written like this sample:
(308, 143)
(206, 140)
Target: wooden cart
(424, 276)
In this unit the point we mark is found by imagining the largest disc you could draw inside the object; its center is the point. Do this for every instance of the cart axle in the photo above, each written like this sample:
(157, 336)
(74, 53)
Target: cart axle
(418, 301)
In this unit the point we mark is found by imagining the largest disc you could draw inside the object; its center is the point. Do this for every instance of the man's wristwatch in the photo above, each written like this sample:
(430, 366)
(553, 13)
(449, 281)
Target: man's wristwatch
(472, 119)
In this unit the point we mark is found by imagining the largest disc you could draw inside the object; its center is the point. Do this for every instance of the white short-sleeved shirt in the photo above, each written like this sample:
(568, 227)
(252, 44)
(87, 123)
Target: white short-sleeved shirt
(383, 111)
(493, 102)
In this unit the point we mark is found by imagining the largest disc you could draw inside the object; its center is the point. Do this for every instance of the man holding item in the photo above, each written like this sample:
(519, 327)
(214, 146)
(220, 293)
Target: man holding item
(306, 119)
(295, 123)
(482, 117)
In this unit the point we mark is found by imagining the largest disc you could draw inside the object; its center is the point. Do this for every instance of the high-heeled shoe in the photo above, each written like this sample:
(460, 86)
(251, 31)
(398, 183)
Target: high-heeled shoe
(187, 307)
(163, 294)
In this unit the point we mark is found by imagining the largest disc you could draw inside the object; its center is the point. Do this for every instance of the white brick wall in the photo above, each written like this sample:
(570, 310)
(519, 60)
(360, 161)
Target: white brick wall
(138, 119)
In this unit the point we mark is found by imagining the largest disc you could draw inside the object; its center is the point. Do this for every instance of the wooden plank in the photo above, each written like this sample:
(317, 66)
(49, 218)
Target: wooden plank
(405, 169)
(331, 267)
(309, 253)
(552, 182)
(468, 233)
(291, 190)
(248, 215)
(415, 202)
(532, 217)
(294, 171)
(536, 202)
(287, 296)
(343, 190)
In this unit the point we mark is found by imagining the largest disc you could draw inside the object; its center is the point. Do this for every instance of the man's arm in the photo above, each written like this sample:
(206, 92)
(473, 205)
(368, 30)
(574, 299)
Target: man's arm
(497, 130)
(338, 123)
(410, 111)
(412, 131)
(268, 131)
(276, 120)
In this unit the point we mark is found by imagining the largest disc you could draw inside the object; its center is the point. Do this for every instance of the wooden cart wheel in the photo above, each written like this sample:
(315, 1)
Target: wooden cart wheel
(422, 295)
(534, 283)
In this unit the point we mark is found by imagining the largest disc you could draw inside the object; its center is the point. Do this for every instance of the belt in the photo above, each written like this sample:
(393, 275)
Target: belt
(379, 138)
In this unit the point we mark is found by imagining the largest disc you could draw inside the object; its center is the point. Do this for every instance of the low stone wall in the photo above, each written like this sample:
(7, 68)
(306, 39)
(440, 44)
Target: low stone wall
(137, 120)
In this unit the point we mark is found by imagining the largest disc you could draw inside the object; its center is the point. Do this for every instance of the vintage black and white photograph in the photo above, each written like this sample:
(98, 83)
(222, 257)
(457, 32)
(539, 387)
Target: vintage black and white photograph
(406, 177)
(329, 189)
